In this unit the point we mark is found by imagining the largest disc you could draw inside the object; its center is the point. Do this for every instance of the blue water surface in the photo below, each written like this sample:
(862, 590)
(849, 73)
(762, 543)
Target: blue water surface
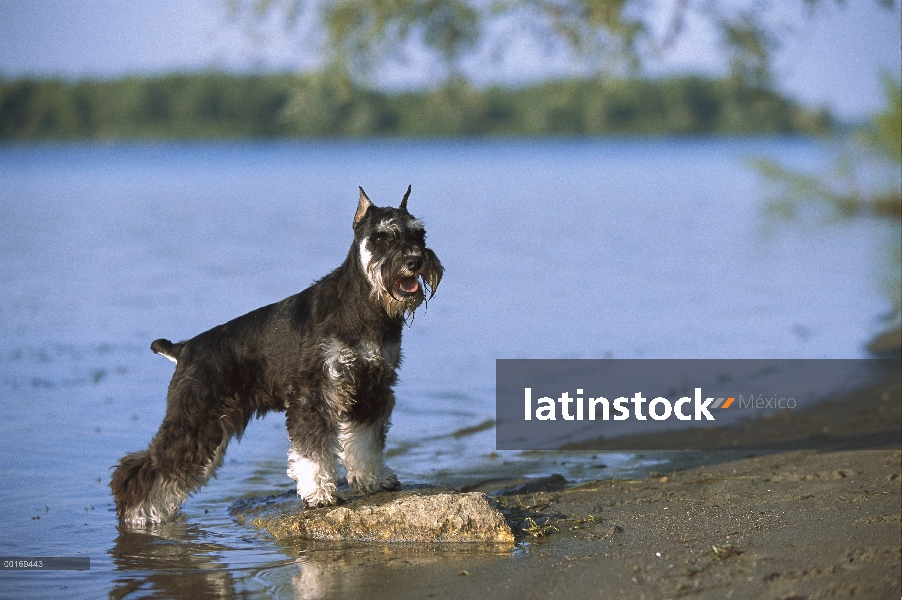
(552, 249)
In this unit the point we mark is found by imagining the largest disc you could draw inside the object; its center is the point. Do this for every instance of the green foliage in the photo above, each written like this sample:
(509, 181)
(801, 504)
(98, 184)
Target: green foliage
(178, 106)
(854, 187)
(846, 192)
(886, 130)
(217, 105)
(361, 35)
(838, 194)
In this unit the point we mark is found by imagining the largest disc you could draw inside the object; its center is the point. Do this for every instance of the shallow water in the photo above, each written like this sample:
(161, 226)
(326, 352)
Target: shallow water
(552, 249)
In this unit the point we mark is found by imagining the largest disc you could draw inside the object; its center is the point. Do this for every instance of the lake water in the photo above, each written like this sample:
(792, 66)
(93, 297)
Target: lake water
(552, 249)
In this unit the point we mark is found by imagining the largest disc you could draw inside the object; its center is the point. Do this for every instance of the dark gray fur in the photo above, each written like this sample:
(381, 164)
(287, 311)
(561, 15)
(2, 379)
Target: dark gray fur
(327, 357)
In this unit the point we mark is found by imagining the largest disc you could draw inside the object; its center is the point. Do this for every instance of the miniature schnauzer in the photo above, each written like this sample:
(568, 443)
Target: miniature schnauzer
(327, 356)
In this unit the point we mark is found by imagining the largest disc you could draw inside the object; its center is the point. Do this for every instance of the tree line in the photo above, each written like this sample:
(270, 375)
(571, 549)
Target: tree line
(222, 105)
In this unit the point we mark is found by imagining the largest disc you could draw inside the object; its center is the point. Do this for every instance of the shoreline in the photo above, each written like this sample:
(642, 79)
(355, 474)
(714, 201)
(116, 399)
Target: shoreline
(788, 524)
(801, 524)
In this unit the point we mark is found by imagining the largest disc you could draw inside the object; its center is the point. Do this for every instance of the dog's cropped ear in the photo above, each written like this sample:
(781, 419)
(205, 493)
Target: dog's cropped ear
(403, 207)
(362, 206)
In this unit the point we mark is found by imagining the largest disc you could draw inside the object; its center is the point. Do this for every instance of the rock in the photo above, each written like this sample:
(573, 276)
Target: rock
(409, 515)
(887, 345)
(552, 483)
(518, 485)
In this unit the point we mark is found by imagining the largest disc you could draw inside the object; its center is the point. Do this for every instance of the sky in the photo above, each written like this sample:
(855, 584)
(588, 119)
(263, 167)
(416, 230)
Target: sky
(833, 61)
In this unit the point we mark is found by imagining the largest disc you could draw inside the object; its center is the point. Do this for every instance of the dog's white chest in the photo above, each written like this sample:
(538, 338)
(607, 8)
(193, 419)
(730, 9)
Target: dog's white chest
(339, 358)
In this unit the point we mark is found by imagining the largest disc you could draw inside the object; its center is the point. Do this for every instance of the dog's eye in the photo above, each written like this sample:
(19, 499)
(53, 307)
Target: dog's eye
(380, 238)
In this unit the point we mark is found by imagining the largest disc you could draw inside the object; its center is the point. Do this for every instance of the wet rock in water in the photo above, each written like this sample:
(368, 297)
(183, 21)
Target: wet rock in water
(552, 483)
(518, 485)
(409, 515)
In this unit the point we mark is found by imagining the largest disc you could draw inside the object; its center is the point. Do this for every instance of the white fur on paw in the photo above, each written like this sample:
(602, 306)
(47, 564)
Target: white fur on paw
(319, 500)
(315, 481)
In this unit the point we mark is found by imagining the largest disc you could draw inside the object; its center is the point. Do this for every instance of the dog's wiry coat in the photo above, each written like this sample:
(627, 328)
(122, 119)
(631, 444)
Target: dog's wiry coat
(327, 357)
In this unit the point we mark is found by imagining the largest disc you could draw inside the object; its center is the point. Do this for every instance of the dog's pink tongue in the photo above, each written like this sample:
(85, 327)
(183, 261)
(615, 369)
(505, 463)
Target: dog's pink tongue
(408, 284)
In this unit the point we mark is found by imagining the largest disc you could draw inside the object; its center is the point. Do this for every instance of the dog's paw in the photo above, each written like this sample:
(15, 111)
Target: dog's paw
(321, 502)
(386, 480)
(324, 495)
(389, 481)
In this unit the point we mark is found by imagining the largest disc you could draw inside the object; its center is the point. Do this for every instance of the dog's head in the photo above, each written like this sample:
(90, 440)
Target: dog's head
(393, 255)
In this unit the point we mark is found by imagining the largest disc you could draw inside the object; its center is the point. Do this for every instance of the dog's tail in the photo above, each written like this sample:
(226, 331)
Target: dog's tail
(166, 348)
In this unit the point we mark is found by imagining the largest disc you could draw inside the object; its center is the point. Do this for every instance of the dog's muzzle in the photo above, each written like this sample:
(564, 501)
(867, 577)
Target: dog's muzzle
(410, 278)
(410, 284)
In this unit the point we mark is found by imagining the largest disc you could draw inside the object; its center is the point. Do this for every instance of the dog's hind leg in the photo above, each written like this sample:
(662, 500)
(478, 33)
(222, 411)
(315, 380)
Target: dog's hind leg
(362, 447)
(143, 494)
(149, 486)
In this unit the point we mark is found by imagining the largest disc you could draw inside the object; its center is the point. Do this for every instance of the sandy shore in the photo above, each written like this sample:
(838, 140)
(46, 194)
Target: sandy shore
(809, 523)
(801, 524)
(793, 525)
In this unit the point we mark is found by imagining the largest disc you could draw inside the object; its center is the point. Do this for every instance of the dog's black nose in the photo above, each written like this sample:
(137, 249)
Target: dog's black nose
(414, 263)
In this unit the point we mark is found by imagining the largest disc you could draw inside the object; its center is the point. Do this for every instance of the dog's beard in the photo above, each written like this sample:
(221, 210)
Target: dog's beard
(399, 290)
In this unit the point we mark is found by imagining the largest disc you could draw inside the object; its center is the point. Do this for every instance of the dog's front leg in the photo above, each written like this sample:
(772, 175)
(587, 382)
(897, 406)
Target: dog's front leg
(311, 459)
(362, 448)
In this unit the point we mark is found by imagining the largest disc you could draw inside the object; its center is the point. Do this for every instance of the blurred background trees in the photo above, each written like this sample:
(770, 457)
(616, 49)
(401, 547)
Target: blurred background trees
(220, 105)
(611, 42)
(607, 37)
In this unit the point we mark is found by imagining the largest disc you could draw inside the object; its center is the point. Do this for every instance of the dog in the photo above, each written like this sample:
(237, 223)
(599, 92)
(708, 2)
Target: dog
(327, 356)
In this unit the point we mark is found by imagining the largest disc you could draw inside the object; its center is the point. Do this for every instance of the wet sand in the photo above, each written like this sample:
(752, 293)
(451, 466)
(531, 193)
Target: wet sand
(801, 524)
(809, 523)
